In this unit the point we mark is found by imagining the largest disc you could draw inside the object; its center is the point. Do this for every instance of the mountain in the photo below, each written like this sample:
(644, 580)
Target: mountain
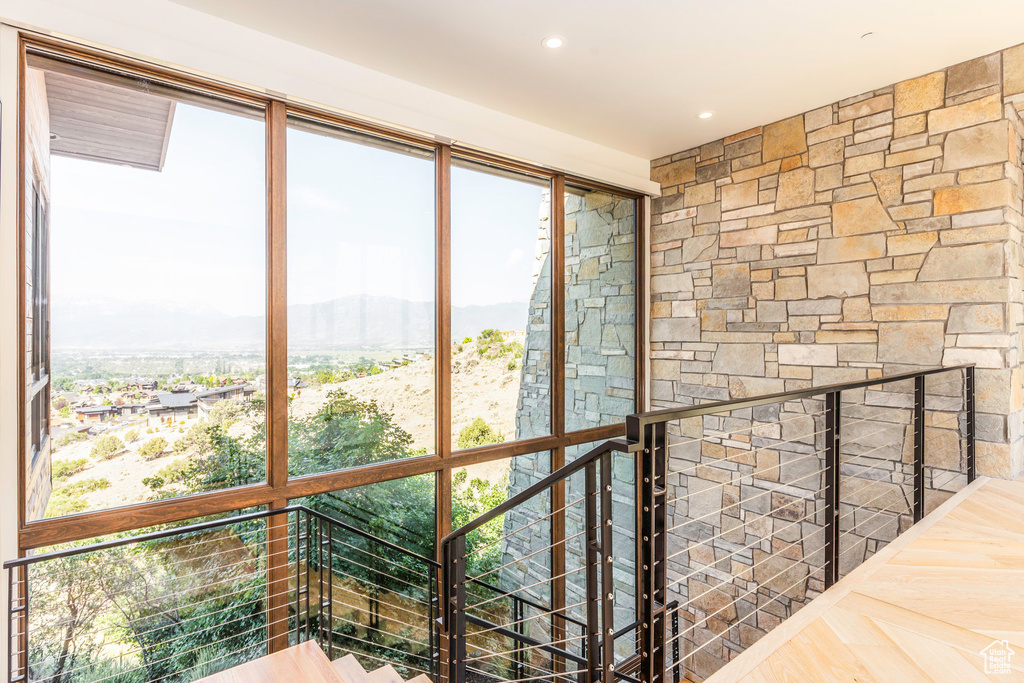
(348, 322)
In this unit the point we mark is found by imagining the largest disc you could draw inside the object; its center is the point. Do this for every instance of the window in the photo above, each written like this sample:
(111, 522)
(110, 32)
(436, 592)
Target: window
(40, 339)
(501, 305)
(150, 199)
(150, 263)
(361, 312)
(600, 308)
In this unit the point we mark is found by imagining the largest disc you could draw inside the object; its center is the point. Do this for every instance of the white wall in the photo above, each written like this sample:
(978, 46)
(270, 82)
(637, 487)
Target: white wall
(162, 31)
(9, 365)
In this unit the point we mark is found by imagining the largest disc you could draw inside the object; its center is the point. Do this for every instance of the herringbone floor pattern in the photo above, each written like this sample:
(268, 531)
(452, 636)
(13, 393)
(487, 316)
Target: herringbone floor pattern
(924, 611)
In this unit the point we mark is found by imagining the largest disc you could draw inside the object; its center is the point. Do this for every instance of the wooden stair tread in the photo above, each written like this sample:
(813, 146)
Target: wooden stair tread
(386, 674)
(350, 670)
(304, 662)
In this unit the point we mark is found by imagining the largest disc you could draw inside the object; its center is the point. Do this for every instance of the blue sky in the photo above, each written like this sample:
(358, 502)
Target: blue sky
(360, 221)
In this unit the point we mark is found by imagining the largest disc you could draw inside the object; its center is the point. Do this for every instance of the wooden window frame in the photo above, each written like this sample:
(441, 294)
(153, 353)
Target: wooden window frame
(278, 487)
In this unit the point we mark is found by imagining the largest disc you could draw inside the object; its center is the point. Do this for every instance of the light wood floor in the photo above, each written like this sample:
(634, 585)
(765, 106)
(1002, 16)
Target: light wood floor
(922, 609)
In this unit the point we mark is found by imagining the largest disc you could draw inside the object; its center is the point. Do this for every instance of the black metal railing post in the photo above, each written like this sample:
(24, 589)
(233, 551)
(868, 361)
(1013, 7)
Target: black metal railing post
(969, 387)
(454, 573)
(307, 531)
(433, 636)
(652, 538)
(919, 397)
(320, 582)
(833, 443)
(607, 558)
(298, 573)
(593, 565)
(330, 591)
(675, 641)
(17, 662)
(519, 626)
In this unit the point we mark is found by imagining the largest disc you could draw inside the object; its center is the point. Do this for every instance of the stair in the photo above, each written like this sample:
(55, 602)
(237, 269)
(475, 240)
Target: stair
(307, 663)
(351, 671)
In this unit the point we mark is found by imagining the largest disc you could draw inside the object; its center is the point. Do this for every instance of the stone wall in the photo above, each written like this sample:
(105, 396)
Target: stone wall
(873, 235)
(600, 335)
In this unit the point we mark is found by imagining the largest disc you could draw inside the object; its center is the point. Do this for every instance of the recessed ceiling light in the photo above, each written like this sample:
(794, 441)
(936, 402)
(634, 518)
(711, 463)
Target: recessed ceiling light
(705, 115)
(553, 42)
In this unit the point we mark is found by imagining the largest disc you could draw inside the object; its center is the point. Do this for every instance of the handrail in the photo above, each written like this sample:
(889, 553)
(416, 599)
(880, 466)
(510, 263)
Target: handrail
(533, 642)
(558, 475)
(205, 526)
(635, 423)
(536, 605)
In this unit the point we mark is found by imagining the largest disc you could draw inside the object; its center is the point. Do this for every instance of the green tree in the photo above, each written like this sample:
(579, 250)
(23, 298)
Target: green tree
(153, 448)
(478, 433)
(106, 447)
(225, 413)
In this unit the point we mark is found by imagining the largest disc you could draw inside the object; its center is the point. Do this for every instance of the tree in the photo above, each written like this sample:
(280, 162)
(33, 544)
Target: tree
(226, 413)
(153, 448)
(478, 433)
(106, 447)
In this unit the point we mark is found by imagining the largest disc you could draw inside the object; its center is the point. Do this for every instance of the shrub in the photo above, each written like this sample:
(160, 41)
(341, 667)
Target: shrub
(467, 340)
(70, 438)
(106, 447)
(153, 448)
(479, 433)
(171, 474)
(84, 486)
(131, 436)
(62, 470)
(59, 506)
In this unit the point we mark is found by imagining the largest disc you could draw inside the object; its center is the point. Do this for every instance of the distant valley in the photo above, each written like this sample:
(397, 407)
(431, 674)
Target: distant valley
(356, 322)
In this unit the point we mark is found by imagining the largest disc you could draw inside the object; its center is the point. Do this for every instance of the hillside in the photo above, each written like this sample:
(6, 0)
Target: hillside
(481, 387)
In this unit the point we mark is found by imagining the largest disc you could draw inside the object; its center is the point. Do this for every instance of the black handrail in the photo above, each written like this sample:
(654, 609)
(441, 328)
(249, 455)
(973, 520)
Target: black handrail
(558, 475)
(635, 423)
(206, 526)
(533, 642)
(536, 605)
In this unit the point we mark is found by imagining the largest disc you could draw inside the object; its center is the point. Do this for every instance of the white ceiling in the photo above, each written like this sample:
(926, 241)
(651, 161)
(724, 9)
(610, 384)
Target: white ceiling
(633, 75)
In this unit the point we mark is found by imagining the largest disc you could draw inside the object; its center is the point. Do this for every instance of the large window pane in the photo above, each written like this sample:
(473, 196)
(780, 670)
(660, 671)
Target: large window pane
(508, 559)
(360, 299)
(600, 308)
(501, 305)
(150, 219)
(380, 596)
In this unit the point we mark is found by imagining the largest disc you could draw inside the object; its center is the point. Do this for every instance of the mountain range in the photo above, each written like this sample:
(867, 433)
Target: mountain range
(352, 322)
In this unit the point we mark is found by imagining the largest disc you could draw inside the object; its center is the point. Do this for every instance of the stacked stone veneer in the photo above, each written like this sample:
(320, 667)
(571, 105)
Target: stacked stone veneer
(600, 334)
(874, 235)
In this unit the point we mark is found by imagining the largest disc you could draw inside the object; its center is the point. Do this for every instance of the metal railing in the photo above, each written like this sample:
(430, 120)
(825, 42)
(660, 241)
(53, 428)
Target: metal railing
(179, 604)
(745, 510)
(734, 515)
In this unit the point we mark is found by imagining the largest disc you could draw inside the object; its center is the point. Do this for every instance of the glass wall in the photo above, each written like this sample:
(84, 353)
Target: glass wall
(150, 220)
(501, 305)
(148, 205)
(600, 308)
(361, 312)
